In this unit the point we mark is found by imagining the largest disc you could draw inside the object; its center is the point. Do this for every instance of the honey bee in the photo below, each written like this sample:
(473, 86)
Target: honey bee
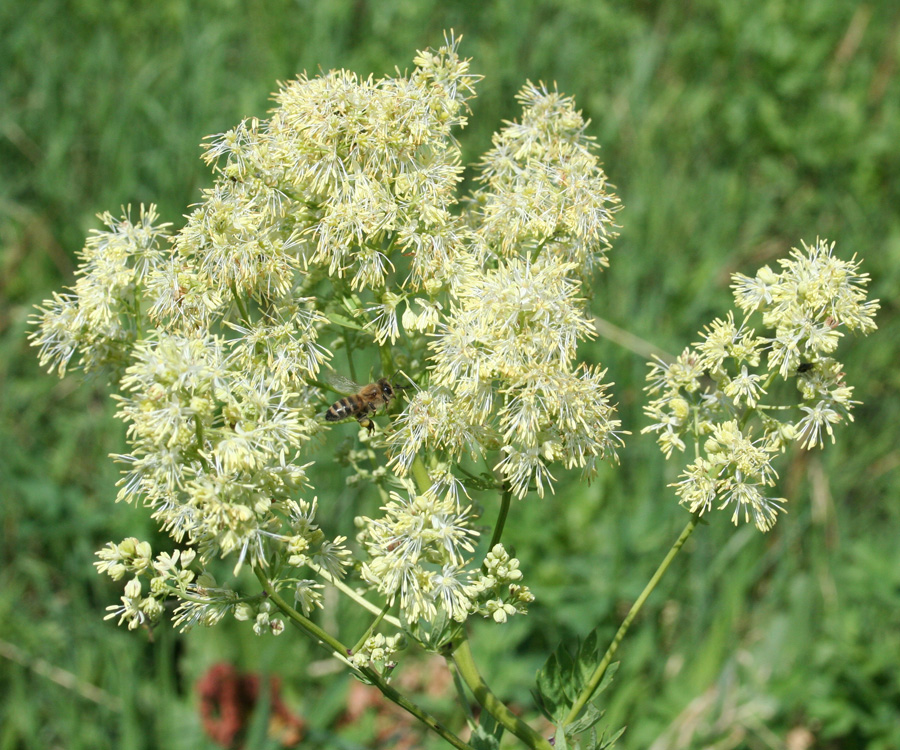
(367, 400)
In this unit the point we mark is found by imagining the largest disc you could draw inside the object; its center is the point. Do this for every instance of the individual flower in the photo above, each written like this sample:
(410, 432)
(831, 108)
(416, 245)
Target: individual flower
(307, 594)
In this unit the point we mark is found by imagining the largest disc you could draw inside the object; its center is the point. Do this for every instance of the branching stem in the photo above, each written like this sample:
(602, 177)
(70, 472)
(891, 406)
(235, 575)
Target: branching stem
(368, 674)
(371, 629)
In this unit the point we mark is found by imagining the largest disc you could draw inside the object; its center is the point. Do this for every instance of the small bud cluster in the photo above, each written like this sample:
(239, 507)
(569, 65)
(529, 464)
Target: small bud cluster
(265, 624)
(497, 591)
(379, 649)
(166, 573)
(720, 392)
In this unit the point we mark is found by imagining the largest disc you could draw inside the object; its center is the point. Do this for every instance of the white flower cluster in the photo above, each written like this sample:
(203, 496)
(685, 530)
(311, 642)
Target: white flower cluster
(503, 377)
(722, 389)
(419, 553)
(336, 223)
(544, 187)
(99, 317)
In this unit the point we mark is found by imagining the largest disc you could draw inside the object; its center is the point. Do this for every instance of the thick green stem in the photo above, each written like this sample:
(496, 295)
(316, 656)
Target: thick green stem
(597, 676)
(420, 475)
(462, 659)
(340, 650)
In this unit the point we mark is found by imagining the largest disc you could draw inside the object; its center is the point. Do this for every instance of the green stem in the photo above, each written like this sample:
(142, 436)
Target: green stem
(240, 303)
(175, 591)
(479, 482)
(433, 724)
(420, 475)
(501, 516)
(461, 693)
(349, 348)
(371, 629)
(198, 433)
(340, 650)
(136, 309)
(303, 623)
(597, 676)
(462, 658)
(349, 592)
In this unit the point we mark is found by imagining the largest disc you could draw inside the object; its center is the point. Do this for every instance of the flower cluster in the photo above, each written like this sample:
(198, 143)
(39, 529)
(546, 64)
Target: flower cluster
(378, 649)
(166, 572)
(721, 390)
(345, 174)
(419, 553)
(99, 319)
(544, 187)
(502, 377)
(501, 374)
(213, 449)
(497, 592)
(335, 223)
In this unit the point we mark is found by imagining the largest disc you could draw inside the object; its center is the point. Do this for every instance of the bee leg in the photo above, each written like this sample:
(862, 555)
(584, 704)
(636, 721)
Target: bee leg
(367, 423)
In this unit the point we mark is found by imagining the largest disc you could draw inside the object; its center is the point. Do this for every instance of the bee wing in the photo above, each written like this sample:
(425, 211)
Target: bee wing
(339, 383)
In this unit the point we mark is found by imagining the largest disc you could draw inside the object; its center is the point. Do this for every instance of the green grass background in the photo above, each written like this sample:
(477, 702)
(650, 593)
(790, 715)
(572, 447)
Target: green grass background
(731, 129)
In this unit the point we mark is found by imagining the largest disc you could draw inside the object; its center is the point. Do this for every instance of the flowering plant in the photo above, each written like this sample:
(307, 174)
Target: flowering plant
(335, 225)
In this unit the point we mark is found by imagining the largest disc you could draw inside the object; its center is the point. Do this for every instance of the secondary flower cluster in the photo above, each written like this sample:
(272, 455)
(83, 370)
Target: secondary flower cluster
(99, 319)
(419, 553)
(721, 391)
(544, 187)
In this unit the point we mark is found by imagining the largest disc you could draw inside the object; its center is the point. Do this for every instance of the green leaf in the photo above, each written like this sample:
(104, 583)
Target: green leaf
(588, 657)
(604, 743)
(487, 734)
(607, 679)
(481, 740)
(590, 716)
(344, 322)
(564, 677)
(551, 694)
